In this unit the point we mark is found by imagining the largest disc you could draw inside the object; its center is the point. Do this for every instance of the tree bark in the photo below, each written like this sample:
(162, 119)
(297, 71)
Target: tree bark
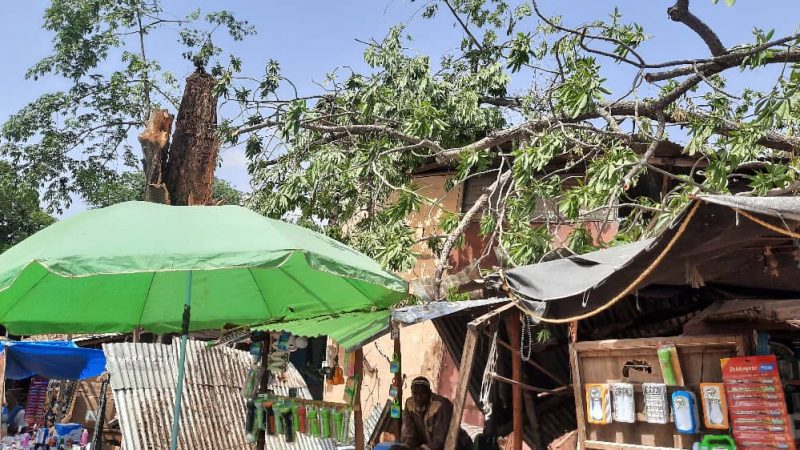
(155, 147)
(193, 155)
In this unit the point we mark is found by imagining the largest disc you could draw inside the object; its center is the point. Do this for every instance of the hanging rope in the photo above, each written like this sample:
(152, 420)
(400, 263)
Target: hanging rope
(488, 380)
(770, 226)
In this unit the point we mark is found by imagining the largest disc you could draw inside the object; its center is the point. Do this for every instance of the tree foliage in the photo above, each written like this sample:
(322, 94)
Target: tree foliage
(524, 101)
(79, 141)
(346, 157)
(20, 214)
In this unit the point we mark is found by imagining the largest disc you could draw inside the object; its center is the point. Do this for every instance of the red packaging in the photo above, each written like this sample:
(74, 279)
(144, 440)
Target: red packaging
(756, 405)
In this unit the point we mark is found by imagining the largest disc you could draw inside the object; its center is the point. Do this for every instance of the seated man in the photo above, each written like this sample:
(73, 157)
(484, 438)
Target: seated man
(426, 420)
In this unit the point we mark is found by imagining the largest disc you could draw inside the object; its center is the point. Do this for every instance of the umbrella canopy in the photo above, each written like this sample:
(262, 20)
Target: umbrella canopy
(125, 266)
(54, 360)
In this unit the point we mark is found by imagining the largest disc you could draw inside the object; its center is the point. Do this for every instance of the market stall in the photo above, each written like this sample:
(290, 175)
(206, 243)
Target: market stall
(42, 362)
(712, 304)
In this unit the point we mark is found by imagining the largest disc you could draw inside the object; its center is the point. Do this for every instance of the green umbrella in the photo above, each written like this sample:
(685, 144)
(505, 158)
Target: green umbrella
(139, 264)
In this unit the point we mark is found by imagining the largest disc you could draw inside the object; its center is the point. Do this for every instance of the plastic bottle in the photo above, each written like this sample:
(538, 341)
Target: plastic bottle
(84, 437)
(249, 420)
(313, 421)
(270, 417)
(26, 441)
(338, 421)
(276, 409)
(295, 417)
(288, 424)
(325, 421)
(302, 419)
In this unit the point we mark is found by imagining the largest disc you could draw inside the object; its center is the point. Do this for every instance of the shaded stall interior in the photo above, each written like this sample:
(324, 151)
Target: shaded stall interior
(721, 250)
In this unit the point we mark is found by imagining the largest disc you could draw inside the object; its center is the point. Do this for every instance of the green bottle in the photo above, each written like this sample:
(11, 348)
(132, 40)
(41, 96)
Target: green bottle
(313, 421)
(325, 420)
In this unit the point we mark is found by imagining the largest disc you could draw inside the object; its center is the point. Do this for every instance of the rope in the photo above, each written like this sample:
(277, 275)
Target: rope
(488, 380)
(631, 287)
(770, 226)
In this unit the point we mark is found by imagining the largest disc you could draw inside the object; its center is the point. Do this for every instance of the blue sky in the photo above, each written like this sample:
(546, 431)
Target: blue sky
(311, 37)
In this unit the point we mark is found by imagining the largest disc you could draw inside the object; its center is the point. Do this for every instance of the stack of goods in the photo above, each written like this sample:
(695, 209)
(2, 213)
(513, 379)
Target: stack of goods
(756, 403)
(35, 403)
(286, 417)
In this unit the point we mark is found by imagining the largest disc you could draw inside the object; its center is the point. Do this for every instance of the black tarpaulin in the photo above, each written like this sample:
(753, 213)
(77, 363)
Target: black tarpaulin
(715, 241)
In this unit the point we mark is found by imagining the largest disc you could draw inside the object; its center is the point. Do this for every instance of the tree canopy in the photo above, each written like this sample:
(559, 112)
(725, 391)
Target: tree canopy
(562, 149)
(20, 213)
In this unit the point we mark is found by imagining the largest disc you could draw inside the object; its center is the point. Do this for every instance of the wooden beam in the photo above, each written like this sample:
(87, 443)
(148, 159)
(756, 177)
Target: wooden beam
(528, 387)
(398, 380)
(464, 370)
(358, 416)
(530, 362)
(514, 325)
(533, 419)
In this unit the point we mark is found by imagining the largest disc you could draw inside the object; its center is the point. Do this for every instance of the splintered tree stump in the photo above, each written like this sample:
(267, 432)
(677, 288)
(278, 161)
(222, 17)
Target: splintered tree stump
(192, 160)
(155, 145)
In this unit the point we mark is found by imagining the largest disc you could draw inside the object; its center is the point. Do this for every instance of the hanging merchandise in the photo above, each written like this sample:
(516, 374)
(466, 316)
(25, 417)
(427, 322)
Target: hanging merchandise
(338, 375)
(349, 364)
(313, 421)
(756, 403)
(338, 418)
(270, 418)
(684, 411)
(287, 423)
(302, 419)
(717, 442)
(656, 409)
(395, 411)
(394, 391)
(350, 389)
(278, 361)
(250, 419)
(670, 365)
(624, 406)
(598, 403)
(252, 382)
(344, 433)
(715, 407)
(394, 365)
(325, 422)
(255, 351)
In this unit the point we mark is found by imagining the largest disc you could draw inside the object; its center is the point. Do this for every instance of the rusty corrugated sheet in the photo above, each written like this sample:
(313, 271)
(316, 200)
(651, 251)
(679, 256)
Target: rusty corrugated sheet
(143, 378)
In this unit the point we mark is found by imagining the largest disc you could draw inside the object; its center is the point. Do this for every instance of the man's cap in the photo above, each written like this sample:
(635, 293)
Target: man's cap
(421, 381)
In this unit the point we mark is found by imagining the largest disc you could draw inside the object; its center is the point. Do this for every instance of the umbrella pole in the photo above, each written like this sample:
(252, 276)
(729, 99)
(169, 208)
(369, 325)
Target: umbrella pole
(176, 415)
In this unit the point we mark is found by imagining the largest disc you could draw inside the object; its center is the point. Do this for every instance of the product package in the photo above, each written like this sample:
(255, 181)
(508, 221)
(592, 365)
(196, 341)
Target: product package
(715, 406)
(656, 408)
(350, 389)
(622, 399)
(598, 403)
(670, 365)
(758, 414)
(717, 442)
(684, 411)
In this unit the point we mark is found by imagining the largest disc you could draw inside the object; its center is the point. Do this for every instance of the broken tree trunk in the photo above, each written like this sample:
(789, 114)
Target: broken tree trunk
(155, 146)
(193, 155)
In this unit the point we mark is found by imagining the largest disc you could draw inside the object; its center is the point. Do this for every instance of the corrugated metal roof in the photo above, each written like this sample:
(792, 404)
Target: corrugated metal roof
(143, 378)
(433, 310)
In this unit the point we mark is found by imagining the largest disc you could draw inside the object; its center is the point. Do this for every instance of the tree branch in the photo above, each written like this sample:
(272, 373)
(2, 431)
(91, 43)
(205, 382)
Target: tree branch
(479, 204)
(728, 61)
(679, 12)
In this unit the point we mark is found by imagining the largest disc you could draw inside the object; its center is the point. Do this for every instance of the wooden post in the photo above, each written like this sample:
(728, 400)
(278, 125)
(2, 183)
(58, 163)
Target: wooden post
(261, 442)
(513, 325)
(357, 414)
(398, 380)
(464, 370)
